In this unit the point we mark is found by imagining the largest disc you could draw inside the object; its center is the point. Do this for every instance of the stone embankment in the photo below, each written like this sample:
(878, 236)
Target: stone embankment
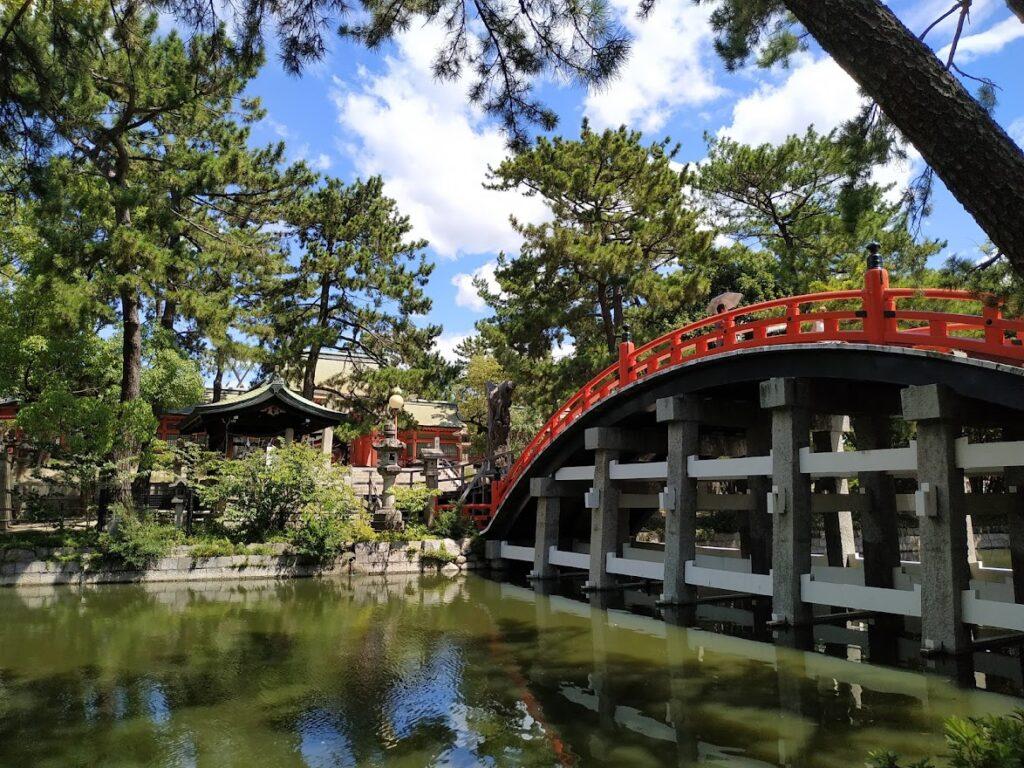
(35, 567)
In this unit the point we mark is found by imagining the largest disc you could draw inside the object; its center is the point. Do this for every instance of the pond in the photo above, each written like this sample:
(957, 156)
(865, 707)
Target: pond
(428, 671)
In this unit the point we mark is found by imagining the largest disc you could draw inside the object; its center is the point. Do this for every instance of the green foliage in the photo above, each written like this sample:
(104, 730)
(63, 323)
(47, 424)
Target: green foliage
(136, 543)
(976, 742)
(437, 557)
(470, 394)
(356, 286)
(170, 380)
(260, 494)
(745, 26)
(991, 274)
(452, 523)
(141, 192)
(321, 534)
(415, 502)
(808, 204)
(33, 539)
(623, 246)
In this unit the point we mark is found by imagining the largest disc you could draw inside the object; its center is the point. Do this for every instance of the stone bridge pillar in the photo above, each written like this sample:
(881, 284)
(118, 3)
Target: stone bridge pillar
(942, 523)
(605, 523)
(791, 497)
(880, 537)
(759, 522)
(549, 493)
(609, 523)
(682, 414)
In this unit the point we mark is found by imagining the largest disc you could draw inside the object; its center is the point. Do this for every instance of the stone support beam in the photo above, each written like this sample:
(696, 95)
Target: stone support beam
(624, 440)
(1014, 477)
(549, 493)
(791, 497)
(880, 536)
(942, 524)
(607, 527)
(756, 532)
(682, 416)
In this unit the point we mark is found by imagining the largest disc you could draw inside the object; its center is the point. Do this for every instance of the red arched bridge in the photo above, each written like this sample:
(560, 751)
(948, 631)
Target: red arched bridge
(860, 432)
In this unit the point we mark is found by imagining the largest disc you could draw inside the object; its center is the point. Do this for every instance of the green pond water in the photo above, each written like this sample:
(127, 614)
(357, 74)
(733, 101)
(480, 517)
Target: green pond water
(416, 672)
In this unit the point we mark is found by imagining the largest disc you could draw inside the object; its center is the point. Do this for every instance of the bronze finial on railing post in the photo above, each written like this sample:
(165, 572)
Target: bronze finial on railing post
(874, 255)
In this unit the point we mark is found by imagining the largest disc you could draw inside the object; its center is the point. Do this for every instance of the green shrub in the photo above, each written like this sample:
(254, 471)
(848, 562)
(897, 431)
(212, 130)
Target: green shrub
(452, 524)
(415, 502)
(136, 543)
(437, 557)
(321, 535)
(215, 547)
(975, 742)
(260, 494)
(417, 532)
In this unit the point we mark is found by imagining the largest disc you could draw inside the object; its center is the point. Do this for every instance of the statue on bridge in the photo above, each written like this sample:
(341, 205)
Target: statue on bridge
(499, 426)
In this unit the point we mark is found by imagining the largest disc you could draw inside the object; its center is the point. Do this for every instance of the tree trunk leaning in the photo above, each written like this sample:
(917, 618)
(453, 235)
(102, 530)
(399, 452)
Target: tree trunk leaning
(969, 151)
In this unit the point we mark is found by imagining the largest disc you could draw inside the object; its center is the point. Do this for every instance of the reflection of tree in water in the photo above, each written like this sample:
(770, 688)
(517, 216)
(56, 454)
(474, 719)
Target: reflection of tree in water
(289, 673)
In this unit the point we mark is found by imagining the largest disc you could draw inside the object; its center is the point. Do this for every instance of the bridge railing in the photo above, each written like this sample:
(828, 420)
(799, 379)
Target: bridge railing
(933, 319)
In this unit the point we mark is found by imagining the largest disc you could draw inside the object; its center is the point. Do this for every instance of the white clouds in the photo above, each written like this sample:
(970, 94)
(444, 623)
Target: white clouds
(1016, 131)
(466, 294)
(322, 162)
(667, 68)
(816, 92)
(432, 149)
(992, 40)
(446, 343)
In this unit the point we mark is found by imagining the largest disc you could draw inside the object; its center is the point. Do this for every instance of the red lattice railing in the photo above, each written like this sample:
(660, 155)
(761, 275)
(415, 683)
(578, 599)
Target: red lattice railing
(872, 315)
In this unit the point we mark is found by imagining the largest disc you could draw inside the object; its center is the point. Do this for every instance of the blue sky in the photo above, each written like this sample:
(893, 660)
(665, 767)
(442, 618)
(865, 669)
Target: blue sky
(359, 113)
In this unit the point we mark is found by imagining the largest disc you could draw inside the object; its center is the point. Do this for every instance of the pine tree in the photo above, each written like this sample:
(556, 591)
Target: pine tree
(127, 131)
(356, 286)
(809, 202)
(622, 247)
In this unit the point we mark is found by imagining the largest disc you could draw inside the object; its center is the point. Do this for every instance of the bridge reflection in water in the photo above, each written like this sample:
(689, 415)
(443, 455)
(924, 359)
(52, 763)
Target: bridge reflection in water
(887, 432)
(716, 697)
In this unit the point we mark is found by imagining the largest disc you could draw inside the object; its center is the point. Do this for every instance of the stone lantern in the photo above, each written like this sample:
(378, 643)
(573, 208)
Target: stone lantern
(388, 448)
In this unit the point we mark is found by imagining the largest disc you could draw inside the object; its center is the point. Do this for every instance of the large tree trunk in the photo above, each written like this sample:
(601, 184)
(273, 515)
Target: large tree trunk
(131, 347)
(309, 372)
(218, 377)
(313, 356)
(976, 159)
(607, 323)
(126, 452)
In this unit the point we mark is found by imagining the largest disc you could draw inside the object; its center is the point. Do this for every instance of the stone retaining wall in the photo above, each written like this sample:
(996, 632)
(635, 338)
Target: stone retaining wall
(35, 567)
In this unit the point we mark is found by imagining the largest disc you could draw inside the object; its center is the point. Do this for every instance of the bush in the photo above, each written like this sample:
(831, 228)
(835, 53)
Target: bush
(974, 742)
(437, 557)
(262, 493)
(452, 524)
(136, 543)
(415, 502)
(215, 547)
(320, 535)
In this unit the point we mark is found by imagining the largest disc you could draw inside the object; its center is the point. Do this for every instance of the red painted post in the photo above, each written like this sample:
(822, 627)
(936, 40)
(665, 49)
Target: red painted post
(876, 283)
(626, 373)
(993, 327)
